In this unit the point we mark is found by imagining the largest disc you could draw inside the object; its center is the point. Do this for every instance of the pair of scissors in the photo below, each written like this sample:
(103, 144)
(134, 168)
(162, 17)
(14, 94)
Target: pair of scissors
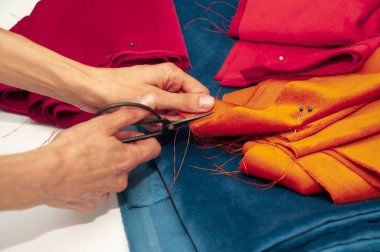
(167, 125)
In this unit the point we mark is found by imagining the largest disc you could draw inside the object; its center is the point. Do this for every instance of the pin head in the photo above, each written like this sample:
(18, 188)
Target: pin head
(301, 108)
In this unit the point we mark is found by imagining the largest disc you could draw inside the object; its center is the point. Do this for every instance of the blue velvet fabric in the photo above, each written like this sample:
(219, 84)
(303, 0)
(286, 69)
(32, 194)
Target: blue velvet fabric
(150, 219)
(208, 212)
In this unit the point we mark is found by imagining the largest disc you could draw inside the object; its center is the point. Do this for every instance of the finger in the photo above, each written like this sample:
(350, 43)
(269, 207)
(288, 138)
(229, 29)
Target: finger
(96, 197)
(119, 183)
(141, 151)
(86, 206)
(191, 85)
(177, 80)
(100, 198)
(153, 127)
(124, 134)
(168, 112)
(185, 102)
(81, 206)
(121, 118)
(172, 118)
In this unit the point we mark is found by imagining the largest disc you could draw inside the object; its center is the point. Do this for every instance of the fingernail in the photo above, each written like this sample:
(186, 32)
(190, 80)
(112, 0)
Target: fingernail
(206, 102)
(148, 100)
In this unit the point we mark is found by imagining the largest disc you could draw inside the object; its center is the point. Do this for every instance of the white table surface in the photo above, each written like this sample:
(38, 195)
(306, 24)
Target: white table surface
(43, 228)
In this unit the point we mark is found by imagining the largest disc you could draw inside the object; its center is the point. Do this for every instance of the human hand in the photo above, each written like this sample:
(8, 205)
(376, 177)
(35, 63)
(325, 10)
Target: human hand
(175, 90)
(93, 161)
(91, 88)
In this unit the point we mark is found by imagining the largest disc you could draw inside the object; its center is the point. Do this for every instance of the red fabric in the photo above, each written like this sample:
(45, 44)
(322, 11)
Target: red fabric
(321, 23)
(97, 33)
(300, 38)
(250, 62)
(14, 99)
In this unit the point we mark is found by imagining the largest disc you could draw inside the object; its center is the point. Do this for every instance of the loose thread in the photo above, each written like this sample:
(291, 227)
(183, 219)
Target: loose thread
(218, 170)
(224, 26)
(22, 124)
(207, 9)
(210, 22)
(50, 137)
(14, 15)
(174, 151)
(207, 20)
(231, 146)
(182, 161)
(299, 119)
(14, 130)
(261, 187)
(218, 92)
(228, 148)
(227, 145)
(213, 170)
(222, 2)
(213, 31)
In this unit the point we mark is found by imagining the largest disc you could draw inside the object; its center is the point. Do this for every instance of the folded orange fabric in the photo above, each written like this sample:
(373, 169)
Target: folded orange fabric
(312, 135)
(274, 106)
(349, 172)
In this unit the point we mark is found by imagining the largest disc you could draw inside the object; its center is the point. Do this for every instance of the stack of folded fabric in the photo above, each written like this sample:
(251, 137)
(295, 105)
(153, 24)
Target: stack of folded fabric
(300, 38)
(213, 212)
(98, 33)
(321, 133)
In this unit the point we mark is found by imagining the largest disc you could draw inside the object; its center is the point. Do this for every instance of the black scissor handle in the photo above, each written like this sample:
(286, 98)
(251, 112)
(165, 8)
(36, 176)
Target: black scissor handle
(142, 137)
(159, 119)
(126, 104)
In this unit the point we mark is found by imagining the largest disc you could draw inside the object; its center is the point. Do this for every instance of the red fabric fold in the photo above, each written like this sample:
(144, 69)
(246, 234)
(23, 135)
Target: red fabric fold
(14, 99)
(300, 39)
(251, 62)
(322, 23)
(99, 33)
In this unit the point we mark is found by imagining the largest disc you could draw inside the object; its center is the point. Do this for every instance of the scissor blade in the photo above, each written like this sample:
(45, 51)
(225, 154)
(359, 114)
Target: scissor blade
(188, 120)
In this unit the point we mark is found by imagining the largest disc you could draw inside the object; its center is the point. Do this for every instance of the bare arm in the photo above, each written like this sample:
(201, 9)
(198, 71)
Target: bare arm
(80, 167)
(29, 66)
(74, 171)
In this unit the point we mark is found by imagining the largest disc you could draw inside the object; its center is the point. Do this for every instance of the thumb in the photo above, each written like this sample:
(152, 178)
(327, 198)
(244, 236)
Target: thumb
(127, 116)
(185, 102)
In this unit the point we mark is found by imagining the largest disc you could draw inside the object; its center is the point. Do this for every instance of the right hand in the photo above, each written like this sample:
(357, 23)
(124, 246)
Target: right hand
(92, 160)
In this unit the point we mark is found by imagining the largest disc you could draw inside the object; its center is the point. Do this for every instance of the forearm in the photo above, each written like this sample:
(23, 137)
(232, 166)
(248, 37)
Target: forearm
(22, 178)
(26, 65)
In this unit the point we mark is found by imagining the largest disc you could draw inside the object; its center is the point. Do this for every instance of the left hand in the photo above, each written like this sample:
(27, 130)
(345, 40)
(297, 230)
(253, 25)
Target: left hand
(174, 89)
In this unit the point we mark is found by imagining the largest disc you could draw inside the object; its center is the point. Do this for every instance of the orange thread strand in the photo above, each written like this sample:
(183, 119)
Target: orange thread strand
(182, 161)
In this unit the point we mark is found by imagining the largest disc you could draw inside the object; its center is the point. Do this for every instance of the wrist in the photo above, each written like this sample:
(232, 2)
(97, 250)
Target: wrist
(88, 88)
(22, 178)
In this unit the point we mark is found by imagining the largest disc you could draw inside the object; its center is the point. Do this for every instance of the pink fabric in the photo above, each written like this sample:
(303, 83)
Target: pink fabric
(251, 62)
(300, 38)
(321, 23)
(113, 33)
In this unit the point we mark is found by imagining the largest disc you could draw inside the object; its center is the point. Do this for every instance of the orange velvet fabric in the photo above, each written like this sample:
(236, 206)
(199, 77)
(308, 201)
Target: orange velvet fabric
(334, 147)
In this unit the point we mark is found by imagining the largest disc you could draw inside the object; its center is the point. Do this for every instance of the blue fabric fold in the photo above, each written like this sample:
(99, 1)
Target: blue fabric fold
(150, 220)
(219, 213)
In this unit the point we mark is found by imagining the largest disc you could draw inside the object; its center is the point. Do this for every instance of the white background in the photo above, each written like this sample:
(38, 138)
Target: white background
(43, 228)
